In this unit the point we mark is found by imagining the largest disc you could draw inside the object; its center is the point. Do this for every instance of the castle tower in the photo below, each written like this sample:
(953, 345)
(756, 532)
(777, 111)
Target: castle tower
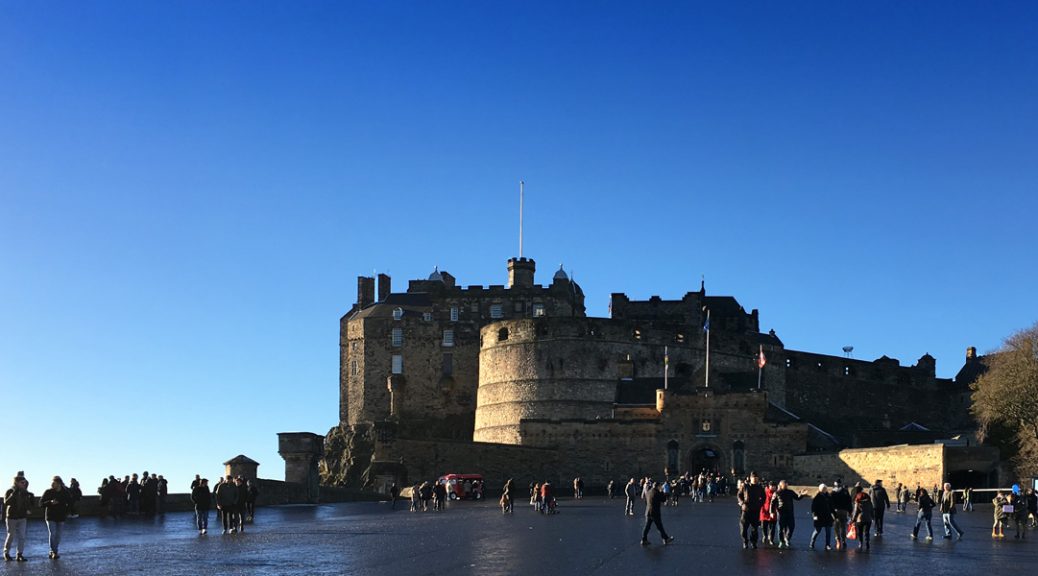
(520, 272)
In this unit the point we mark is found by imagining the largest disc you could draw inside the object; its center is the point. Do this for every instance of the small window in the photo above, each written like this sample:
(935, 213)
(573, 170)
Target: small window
(454, 313)
(789, 362)
(475, 307)
(519, 307)
(495, 311)
(538, 310)
(398, 364)
(502, 335)
(398, 337)
(680, 338)
(353, 368)
(448, 364)
(637, 334)
(847, 371)
(448, 337)
(427, 316)
(398, 313)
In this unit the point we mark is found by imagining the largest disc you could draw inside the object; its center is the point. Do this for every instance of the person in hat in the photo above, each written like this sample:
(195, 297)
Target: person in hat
(822, 515)
(17, 501)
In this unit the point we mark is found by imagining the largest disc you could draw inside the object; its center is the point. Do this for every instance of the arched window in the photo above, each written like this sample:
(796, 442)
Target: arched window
(672, 457)
(739, 457)
(502, 335)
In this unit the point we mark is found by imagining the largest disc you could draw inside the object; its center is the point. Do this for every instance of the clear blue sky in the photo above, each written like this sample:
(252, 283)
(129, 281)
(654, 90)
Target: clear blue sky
(189, 190)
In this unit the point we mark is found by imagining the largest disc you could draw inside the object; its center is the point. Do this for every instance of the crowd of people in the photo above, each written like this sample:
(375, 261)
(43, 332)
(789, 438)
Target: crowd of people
(133, 495)
(234, 498)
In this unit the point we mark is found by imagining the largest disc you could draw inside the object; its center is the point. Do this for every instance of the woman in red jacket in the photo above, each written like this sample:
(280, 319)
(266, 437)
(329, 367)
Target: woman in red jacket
(767, 519)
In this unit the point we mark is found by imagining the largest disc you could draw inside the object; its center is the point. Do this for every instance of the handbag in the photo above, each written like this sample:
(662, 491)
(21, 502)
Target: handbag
(852, 532)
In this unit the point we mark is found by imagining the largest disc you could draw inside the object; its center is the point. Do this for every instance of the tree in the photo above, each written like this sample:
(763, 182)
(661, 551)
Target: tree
(1006, 396)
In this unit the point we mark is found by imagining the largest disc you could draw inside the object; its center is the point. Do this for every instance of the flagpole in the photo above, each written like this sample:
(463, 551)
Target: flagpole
(707, 348)
(760, 370)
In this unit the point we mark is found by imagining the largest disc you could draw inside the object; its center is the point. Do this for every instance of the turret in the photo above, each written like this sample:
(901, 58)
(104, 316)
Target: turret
(520, 272)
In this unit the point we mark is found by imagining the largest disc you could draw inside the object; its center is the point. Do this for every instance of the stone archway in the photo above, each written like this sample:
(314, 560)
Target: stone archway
(705, 457)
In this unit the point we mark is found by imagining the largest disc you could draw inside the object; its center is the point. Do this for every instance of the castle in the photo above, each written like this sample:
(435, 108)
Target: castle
(518, 381)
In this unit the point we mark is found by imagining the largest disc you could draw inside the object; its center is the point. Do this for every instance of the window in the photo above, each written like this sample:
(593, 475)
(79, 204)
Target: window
(427, 316)
(353, 368)
(448, 364)
(502, 335)
(454, 313)
(519, 307)
(789, 362)
(475, 307)
(398, 364)
(538, 310)
(625, 367)
(847, 371)
(398, 313)
(637, 334)
(448, 337)
(495, 311)
(398, 337)
(680, 338)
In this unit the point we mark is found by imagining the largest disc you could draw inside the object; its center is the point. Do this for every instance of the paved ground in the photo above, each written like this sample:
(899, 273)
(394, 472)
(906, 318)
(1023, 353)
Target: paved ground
(588, 537)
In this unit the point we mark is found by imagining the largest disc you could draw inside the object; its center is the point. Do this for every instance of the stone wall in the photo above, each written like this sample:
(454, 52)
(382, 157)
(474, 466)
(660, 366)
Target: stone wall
(910, 465)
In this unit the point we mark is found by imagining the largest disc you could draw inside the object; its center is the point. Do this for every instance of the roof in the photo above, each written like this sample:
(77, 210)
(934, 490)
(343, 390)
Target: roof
(779, 415)
(725, 305)
(240, 459)
(409, 302)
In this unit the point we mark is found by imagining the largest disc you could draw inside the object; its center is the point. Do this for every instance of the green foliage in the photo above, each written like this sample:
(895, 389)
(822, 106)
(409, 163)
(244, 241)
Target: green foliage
(1005, 398)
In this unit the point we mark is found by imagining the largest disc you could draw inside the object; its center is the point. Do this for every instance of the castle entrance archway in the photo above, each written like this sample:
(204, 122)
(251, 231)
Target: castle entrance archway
(705, 457)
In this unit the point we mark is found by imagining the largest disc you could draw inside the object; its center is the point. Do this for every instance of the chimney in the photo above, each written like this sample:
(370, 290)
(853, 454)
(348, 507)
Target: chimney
(385, 287)
(971, 353)
(365, 291)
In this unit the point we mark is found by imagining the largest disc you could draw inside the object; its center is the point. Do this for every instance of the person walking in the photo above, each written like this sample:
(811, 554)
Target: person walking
(654, 500)
(56, 502)
(1032, 507)
(967, 499)
(880, 505)
(203, 501)
(904, 499)
(240, 504)
(842, 504)
(226, 501)
(925, 513)
(863, 513)
(506, 496)
(611, 489)
(767, 516)
(251, 495)
(17, 502)
(751, 500)
(948, 508)
(781, 505)
(394, 492)
(631, 491)
(822, 515)
(998, 507)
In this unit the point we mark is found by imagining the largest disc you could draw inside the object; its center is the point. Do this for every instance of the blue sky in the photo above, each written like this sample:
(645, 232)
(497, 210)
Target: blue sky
(189, 190)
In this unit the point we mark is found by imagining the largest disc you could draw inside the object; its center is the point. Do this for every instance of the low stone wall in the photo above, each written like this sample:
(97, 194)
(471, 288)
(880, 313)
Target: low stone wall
(911, 465)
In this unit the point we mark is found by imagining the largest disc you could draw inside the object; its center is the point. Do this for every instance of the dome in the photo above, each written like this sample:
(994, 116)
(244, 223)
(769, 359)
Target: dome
(436, 274)
(560, 274)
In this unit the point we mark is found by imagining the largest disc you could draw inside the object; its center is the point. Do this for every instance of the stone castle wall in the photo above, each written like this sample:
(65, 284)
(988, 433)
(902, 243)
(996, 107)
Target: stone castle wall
(910, 465)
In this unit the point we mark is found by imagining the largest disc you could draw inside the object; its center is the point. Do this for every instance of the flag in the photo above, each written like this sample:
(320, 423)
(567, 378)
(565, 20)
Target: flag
(706, 325)
(761, 360)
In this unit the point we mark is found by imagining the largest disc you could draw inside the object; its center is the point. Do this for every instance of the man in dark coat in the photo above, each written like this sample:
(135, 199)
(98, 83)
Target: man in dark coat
(227, 503)
(880, 504)
(202, 500)
(654, 500)
(56, 503)
(751, 500)
(842, 504)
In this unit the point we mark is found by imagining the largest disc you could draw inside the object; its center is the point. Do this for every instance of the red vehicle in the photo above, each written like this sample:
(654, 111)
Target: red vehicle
(463, 486)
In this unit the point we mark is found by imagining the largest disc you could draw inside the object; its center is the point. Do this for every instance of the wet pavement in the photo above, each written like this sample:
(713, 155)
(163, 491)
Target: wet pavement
(591, 536)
